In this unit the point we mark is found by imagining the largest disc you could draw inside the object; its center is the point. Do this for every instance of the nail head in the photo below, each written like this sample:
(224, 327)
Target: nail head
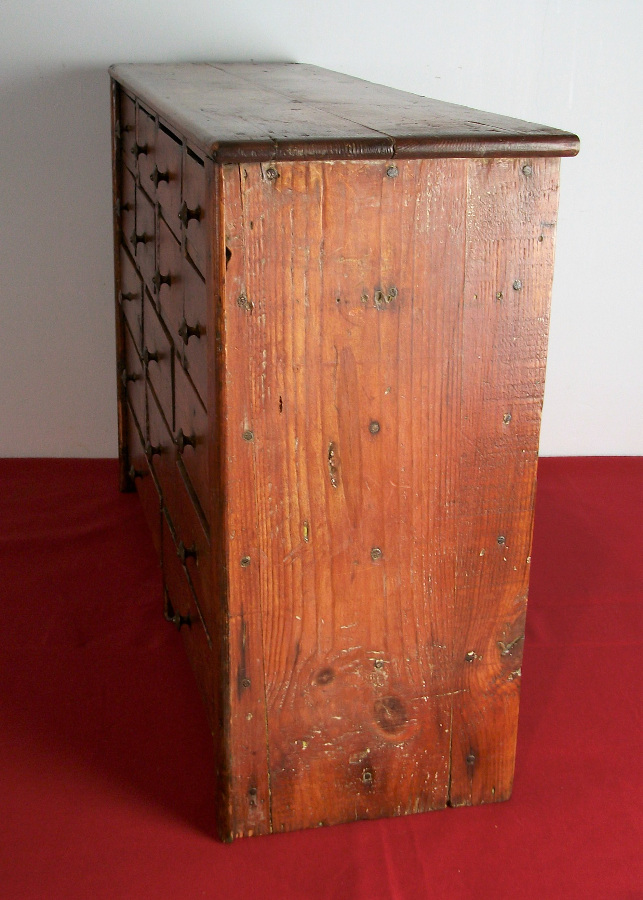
(392, 171)
(376, 553)
(245, 562)
(374, 427)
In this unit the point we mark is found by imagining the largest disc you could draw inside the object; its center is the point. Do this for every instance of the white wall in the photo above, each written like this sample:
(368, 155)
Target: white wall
(575, 64)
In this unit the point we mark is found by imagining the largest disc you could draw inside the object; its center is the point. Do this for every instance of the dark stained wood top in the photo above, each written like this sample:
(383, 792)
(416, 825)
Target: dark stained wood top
(281, 111)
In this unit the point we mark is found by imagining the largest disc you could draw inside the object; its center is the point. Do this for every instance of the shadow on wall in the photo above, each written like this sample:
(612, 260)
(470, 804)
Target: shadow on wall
(56, 291)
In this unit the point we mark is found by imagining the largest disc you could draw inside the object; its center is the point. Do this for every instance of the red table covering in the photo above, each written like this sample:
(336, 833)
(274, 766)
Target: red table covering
(106, 775)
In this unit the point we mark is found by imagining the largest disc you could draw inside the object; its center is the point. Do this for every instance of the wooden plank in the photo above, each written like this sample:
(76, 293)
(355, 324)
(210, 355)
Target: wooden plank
(280, 111)
(342, 357)
(511, 215)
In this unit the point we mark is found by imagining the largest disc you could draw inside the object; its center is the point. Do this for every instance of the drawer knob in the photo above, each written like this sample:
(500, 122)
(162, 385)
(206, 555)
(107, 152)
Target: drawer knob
(159, 279)
(185, 213)
(187, 331)
(149, 356)
(175, 618)
(157, 176)
(126, 377)
(135, 473)
(183, 441)
(139, 150)
(185, 553)
(140, 238)
(151, 450)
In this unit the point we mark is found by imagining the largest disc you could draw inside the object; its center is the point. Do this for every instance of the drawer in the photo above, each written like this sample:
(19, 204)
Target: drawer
(192, 330)
(145, 149)
(133, 379)
(181, 605)
(161, 452)
(193, 209)
(128, 209)
(157, 358)
(143, 238)
(141, 475)
(192, 546)
(190, 437)
(169, 280)
(131, 298)
(167, 177)
(127, 120)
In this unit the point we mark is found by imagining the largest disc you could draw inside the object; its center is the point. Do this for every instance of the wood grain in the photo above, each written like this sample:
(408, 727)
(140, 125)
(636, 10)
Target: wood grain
(281, 111)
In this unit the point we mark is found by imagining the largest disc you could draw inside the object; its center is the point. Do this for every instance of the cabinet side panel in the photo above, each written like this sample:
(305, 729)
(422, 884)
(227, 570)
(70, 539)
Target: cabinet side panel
(343, 305)
(511, 216)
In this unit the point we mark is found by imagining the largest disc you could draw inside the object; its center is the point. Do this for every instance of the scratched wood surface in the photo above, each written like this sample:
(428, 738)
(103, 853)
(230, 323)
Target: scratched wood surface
(385, 349)
(272, 111)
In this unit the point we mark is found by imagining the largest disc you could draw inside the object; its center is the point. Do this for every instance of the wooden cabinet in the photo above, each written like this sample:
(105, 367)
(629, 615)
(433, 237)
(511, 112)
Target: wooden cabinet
(332, 311)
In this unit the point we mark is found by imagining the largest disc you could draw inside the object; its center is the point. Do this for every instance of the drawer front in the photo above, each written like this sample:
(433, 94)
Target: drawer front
(160, 451)
(169, 153)
(190, 437)
(128, 209)
(191, 338)
(131, 298)
(181, 604)
(192, 545)
(127, 119)
(141, 474)
(193, 209)
(146, 149)
(157, 357)
(134, 379)
(169, 280)
(144, 237)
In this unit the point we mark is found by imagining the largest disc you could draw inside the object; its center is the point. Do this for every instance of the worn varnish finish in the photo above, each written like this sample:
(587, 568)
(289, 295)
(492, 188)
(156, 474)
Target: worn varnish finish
(330, 380)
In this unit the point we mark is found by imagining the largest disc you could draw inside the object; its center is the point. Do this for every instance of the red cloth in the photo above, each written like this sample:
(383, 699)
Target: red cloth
(105, 758)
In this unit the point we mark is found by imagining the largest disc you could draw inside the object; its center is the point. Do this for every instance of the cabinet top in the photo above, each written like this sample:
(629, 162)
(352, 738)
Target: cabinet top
(281, 111)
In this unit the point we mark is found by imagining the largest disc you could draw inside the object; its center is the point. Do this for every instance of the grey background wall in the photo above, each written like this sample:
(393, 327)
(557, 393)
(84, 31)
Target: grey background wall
(575, 64)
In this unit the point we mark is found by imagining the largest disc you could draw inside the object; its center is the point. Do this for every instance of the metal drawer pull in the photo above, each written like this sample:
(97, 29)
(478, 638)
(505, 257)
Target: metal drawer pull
(148, 357)
(157, 176)
(152, 450)
(140, 238)
(183, 441)
(184, 552)
(175, 618)
(159, 279)
(187, 331)
(126, 377)
(185, 213)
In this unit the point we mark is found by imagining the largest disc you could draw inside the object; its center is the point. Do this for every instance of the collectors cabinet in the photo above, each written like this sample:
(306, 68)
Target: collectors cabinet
(332, 304)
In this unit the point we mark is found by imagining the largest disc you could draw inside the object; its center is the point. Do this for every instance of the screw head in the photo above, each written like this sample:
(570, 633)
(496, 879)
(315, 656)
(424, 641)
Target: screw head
(379, 663)
(376, 553)
(501, 539)
(527, 170)
(506, 419)
(470, 656)
(517, 285)
(392, 171)
(471, 759)
(271, 173)
(374, 427)
(245, 562)
(499, 295)
(367, 776)
(248, 435)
